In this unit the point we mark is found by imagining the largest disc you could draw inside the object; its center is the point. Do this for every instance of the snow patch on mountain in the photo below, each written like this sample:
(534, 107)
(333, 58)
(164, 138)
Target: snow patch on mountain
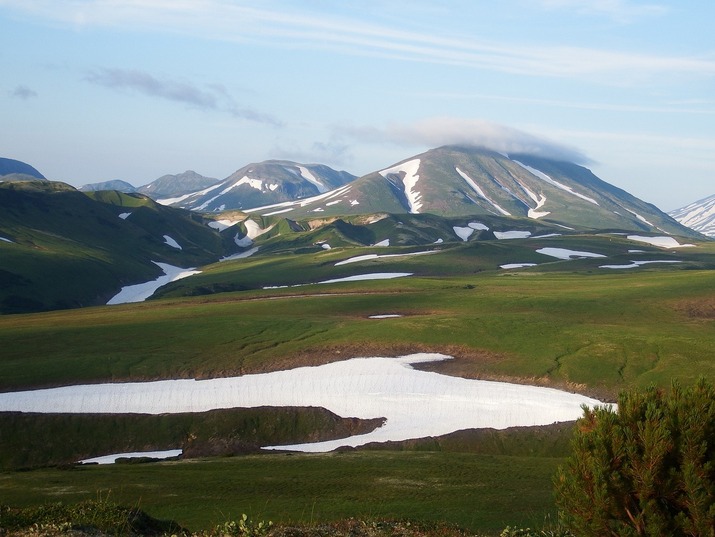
(566, 254)
(699, 216)
(305, 173)
(179, 199)
(4, 239)
(505, 235)
(636, 264)
(111, 459)
(141, 291)
(639, 217)
(410, 169)
(171, 242)
(368, 257)
(517, 265)
(551, 181)
(480, 192)
(660, 242)
(124, 216)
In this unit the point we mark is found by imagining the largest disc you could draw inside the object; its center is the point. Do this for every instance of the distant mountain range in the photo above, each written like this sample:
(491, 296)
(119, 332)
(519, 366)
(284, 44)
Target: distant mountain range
(98, 241)
(699, 216)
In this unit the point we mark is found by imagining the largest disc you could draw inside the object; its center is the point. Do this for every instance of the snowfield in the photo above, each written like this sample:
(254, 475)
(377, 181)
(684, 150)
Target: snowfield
(414, 403)
(111, 459)
(565, 254)
(142, 291)
(171, 242)
(367, 257)
(660, 242)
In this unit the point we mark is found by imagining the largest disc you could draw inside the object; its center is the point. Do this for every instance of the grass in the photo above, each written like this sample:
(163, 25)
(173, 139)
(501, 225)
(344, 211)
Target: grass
(477, 492)
(597, 332)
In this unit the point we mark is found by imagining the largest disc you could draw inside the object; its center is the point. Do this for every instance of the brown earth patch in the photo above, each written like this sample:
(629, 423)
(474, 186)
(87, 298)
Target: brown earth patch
(697, 308)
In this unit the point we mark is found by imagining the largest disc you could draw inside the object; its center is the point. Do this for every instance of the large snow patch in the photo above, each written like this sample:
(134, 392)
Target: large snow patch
(414, 403)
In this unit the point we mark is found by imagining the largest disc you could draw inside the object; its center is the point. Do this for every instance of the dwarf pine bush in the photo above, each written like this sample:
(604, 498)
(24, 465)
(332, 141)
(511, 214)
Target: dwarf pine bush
(647, 468)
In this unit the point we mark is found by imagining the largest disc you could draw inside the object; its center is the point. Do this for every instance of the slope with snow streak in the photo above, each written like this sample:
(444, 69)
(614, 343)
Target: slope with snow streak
(410, 169)
(480, 192)
(699, 216)
(141, 291)
(551, 181)
(415, 403)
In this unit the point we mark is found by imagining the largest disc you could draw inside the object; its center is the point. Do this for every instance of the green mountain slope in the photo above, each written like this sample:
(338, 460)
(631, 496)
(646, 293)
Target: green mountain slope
(61, 248)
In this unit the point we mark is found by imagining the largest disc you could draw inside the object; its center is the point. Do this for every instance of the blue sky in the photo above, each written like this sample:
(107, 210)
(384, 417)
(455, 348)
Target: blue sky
(93, 90)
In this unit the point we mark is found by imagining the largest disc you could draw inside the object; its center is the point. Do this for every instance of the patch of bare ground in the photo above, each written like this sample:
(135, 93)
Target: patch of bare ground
(697, 308)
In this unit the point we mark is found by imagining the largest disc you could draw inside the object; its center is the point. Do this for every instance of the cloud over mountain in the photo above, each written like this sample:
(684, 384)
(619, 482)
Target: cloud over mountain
(439, 131)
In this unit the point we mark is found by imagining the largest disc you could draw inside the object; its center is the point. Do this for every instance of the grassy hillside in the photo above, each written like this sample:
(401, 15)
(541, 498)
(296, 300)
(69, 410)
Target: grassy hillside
(65, 249)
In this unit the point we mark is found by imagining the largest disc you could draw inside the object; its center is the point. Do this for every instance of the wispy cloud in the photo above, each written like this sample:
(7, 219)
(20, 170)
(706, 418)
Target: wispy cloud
(23, 92)
(283, 27)
(435, 132)
(333, 152)
(214, 97)
(622, 11)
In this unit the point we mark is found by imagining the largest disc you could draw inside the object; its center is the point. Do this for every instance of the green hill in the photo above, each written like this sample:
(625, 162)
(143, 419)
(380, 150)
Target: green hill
(62, 248)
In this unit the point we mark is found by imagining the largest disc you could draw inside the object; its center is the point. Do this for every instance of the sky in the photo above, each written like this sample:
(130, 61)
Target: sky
(96, 90)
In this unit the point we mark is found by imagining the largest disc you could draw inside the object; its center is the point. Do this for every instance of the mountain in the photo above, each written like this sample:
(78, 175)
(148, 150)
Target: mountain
(699, 216)
(263, 183)
(62, 248)
(170, 186)
(460, 181)
(118, 185)
(16, 170)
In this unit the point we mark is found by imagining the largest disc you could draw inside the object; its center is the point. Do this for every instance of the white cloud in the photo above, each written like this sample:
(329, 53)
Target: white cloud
(439, 131)
(220, 19)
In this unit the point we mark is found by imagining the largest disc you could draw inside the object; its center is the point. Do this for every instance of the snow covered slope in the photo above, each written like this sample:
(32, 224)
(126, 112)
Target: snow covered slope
(699, 216)
(263, 183)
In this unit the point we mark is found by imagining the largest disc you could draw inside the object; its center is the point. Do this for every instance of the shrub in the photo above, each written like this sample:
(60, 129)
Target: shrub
(646, 468)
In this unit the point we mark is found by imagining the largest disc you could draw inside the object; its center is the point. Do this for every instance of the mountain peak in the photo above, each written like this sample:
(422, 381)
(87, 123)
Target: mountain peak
(17, 170)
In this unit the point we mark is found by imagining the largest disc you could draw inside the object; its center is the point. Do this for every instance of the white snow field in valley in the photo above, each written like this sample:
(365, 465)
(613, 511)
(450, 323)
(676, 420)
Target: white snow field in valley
(414, 403)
